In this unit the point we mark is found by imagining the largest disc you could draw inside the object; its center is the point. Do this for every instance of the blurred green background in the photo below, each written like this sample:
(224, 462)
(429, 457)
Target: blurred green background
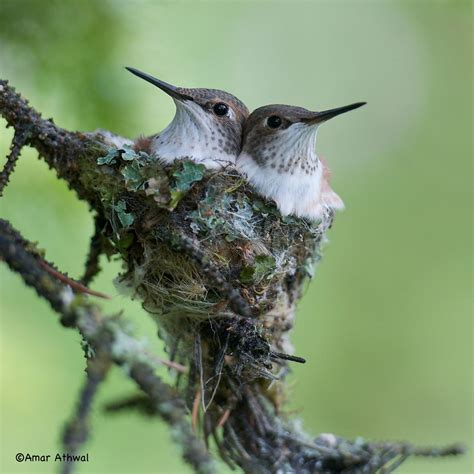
(385, 325)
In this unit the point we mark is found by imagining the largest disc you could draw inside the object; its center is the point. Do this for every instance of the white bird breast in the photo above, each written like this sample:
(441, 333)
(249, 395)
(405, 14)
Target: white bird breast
(299, 193)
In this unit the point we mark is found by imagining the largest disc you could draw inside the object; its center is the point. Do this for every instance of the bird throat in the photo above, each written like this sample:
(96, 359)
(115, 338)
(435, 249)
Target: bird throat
(290, 151)
(190, 135)
(287, 170)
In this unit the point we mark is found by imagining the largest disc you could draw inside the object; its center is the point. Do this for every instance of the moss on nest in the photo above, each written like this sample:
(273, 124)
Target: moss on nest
(186, 234)
(264, 256)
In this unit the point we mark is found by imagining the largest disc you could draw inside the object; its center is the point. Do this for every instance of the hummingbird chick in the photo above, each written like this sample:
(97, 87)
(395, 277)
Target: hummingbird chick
(207, 126)
(279, 159)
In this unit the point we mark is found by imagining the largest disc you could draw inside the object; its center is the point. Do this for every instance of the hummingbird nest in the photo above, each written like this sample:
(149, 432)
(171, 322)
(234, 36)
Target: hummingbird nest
(221, 271)
(208, 254)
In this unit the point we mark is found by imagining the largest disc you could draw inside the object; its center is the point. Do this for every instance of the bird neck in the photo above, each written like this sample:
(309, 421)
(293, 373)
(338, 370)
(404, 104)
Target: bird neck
(190, 135)
(292, 150)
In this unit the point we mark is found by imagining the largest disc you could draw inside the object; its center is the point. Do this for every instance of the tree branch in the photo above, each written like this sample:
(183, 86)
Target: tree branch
(76, 431)
(19, 140)
(110, 343)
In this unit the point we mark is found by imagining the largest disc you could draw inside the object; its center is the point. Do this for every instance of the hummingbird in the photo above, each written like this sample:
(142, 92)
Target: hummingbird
(279, 159)
(207, 127)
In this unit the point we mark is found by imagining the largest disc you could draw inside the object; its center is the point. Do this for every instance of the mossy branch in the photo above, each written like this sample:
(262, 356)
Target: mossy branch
(77, 429)
(219, 269)
(107, 342)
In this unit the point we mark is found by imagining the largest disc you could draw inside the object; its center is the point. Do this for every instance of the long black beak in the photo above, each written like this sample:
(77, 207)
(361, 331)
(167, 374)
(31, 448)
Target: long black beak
(172, 91)
(318, 117)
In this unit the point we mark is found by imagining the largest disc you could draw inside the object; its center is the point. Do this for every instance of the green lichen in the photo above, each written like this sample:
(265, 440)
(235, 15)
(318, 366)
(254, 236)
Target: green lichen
(125, 218)
(223, 213)
(110, 158)
(263, 266)
(186, 174)
(134, 179)
(126, 153)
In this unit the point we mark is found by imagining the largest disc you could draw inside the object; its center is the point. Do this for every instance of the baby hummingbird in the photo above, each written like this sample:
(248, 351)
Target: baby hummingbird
(207, 126)
(279, 159)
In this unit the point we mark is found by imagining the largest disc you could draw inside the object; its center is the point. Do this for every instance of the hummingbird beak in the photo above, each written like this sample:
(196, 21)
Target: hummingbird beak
(319, 117)
(172, 91)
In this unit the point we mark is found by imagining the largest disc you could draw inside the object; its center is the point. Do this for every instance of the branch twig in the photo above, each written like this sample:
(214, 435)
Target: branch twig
(76, 431)
(19, 141)
(106, 337)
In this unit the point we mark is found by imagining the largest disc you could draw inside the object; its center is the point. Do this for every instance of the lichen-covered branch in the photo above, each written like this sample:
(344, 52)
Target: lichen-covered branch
(64, 151)
(96, 249)
(109, 342)
(219, 269)
(19, 140)
(77, 429)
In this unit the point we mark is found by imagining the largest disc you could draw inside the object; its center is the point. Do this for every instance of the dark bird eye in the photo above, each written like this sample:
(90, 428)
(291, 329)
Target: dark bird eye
(221, 109)
(274, 121)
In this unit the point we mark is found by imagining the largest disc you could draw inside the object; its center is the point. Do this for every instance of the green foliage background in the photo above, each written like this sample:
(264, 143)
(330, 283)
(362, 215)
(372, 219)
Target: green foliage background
(385, 325)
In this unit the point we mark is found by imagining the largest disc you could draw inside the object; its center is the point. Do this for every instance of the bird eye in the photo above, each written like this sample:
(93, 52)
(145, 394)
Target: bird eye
(220, 109)
(274, 121)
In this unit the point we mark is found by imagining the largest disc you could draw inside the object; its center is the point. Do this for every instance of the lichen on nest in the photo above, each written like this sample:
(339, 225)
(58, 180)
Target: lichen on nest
(262, 254)
(186, 233)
